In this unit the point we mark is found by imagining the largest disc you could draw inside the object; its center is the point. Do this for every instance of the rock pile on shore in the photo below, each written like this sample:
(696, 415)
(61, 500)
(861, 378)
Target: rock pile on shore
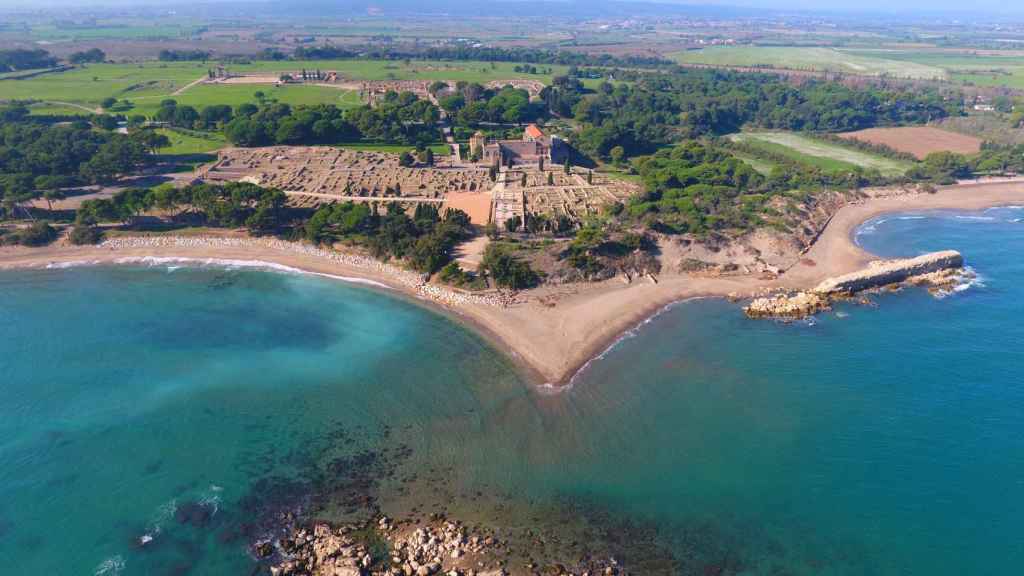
(799, 305)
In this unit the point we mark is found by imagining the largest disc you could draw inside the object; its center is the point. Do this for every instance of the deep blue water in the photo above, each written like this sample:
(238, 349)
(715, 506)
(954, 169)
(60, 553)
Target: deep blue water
(873, 440)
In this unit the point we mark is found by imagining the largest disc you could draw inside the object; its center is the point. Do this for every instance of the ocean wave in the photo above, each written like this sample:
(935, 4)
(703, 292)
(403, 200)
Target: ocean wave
(911, 217)
(177, 262)
(966, 280)
(110, 567)
(975, 218)
(70, 264)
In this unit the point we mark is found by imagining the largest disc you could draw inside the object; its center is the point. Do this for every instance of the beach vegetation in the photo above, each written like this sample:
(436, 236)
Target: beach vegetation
(425, 240)
(38, 233)
(506, 269)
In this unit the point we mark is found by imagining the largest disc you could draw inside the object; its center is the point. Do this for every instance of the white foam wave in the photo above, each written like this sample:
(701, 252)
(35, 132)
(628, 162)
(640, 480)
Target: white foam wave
(70, 264)
(967, 279)
(910, 217)
(110, 566)
(975, 218)
(231, 264)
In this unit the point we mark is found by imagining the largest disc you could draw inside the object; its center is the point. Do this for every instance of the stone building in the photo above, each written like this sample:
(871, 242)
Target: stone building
(534, 146)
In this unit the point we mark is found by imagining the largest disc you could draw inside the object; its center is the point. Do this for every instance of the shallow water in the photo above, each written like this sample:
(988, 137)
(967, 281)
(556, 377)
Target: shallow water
(868, 441)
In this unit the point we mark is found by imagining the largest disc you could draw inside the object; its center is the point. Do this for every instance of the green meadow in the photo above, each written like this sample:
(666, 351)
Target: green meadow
(146, 84)
(187, 144)
(819, 153)
(989, 69)
(809, 58)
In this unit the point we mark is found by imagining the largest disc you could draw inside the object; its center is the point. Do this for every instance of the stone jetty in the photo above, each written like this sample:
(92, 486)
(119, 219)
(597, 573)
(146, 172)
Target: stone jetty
(936, 269)
(885, 272)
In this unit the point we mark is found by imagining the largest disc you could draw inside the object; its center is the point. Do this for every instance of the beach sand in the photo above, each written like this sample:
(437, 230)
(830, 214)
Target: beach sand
(554, 330)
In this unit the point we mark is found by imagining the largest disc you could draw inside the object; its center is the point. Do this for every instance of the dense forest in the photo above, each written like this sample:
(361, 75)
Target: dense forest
(38, 160)
(396, 119)
(659, 109)
(471, 104)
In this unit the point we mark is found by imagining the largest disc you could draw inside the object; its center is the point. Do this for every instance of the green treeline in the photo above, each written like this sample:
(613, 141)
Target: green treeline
(38, 160)
(659, 109)
(22, 59)
(261, 210)
(396, 119)
(425, 240)
(471, 103)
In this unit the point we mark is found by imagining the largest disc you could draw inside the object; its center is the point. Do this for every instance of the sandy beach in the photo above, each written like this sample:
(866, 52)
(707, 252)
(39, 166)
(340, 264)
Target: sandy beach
(552, 330)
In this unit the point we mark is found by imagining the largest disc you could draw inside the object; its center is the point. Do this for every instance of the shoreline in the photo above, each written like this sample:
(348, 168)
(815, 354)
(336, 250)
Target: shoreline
(552, 333)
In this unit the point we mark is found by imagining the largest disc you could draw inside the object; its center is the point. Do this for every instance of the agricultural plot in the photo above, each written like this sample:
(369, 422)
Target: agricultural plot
(918, 140)
(810, 58)
(822, 154)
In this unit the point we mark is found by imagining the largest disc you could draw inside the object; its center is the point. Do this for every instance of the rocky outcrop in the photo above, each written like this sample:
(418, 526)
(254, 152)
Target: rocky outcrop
(937, 270)
(885, 272)
(784, 306)
(440, 547)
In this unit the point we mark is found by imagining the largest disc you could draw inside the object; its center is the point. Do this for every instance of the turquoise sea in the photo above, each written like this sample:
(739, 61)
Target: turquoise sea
(155, 420)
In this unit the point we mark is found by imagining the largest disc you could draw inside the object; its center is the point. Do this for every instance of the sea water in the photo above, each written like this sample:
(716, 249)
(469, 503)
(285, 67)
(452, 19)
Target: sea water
(879, 439)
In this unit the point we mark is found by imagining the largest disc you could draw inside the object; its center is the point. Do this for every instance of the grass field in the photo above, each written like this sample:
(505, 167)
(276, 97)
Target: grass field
(235, 94)
(822, 154)
(148, 83)
(185, 144)
(989, 69)
(469, 71)
(810, 58)
(764, 167)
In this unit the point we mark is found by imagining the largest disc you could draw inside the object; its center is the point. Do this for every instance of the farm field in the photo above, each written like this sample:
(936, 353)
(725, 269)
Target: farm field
(809, 58)
(918, 140)
(821, 154)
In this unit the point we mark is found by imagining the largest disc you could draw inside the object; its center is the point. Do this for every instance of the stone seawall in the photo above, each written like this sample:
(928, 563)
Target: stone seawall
(936, 269)
(885, 272)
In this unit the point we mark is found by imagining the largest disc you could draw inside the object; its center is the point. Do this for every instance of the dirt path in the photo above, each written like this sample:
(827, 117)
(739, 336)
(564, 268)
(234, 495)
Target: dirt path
(96, 110)
(182, 90)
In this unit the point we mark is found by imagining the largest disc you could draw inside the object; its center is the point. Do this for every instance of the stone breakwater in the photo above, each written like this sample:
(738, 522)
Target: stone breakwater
(885, 272)
(440, 546)
(416, 283)
(937, 269)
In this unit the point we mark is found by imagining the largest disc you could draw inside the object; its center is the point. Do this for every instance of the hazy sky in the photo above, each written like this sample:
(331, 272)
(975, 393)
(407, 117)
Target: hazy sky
(960, 7)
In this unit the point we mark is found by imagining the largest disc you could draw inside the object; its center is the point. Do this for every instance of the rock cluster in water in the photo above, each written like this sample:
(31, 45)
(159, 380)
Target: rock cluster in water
(938, 270)
(388, 548)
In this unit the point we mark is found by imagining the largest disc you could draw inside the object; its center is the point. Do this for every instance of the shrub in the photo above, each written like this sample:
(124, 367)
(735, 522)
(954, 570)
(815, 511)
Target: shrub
(38, 234)
(82, 234)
